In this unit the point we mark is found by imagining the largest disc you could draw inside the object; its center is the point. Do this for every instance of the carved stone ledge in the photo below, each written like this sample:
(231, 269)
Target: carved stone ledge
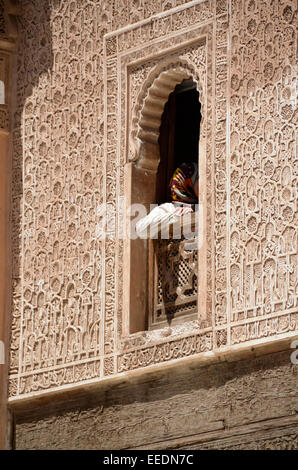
(241, 352)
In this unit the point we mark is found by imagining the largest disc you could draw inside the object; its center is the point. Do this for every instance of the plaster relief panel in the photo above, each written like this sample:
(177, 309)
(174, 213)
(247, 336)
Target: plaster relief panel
(82, 77)
(263, 209)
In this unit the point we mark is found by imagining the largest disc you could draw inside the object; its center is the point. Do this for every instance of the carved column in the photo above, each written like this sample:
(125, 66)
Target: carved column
(7, 48)
(4, 281)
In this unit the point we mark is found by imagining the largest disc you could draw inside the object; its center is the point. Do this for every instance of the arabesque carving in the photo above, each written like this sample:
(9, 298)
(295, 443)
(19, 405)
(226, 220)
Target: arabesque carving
(72, 134)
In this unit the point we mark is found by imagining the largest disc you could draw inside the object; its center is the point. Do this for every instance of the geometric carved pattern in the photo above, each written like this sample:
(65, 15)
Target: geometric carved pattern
(263, 199)
(77, 88)
(59, 180)
(57, 171)
(175, 281)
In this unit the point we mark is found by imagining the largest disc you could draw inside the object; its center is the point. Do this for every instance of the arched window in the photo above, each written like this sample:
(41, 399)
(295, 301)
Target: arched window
(172, 268)
(167, 129)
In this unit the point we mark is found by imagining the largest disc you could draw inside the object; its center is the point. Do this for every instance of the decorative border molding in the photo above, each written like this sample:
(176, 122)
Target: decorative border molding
(129, 74)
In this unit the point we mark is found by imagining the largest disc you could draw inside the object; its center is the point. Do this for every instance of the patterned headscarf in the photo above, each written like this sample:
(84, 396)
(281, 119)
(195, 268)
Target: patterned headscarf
(182, 183)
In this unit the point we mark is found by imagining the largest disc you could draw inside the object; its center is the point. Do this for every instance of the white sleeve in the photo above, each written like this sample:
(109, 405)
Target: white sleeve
(160, 215)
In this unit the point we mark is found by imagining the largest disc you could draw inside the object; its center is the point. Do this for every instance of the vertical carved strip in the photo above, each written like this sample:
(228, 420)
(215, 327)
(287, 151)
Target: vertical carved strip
(228, 164)
(221, 128)
(6, 89)
(263, 185)
(111, 200)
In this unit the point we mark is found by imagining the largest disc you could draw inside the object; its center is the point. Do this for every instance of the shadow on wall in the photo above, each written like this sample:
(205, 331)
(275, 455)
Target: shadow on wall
(34, 60)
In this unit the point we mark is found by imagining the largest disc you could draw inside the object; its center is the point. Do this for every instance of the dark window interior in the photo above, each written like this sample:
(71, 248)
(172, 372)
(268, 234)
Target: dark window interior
(179, 134)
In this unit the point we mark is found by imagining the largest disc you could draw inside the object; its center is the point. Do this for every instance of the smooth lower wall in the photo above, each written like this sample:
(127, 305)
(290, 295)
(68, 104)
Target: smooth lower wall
(250, 404)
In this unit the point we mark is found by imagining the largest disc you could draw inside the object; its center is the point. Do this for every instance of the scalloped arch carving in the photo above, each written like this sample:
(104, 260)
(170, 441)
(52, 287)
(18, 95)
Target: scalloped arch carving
(146, 121)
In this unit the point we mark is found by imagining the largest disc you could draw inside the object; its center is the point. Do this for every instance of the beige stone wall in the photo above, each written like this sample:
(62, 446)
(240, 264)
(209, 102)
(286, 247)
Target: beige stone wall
(70, 148)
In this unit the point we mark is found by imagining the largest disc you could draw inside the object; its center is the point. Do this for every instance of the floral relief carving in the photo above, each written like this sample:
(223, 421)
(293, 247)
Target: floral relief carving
(262, 223)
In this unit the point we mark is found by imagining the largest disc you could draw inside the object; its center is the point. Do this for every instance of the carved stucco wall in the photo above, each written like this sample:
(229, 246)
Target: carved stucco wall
(70, 145)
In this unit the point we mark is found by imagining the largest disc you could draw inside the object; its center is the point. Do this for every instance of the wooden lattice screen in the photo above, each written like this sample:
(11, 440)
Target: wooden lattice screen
(174, 266)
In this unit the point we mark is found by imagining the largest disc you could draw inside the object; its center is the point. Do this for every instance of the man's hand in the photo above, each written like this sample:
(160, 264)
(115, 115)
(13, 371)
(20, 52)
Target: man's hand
(182, 211)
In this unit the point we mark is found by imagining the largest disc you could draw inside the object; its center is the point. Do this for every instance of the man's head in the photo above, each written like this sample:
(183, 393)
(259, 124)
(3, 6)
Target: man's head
(184, 183)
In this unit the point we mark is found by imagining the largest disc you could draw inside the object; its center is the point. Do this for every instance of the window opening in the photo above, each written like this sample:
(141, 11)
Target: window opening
(173, 285)
(179, 135)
